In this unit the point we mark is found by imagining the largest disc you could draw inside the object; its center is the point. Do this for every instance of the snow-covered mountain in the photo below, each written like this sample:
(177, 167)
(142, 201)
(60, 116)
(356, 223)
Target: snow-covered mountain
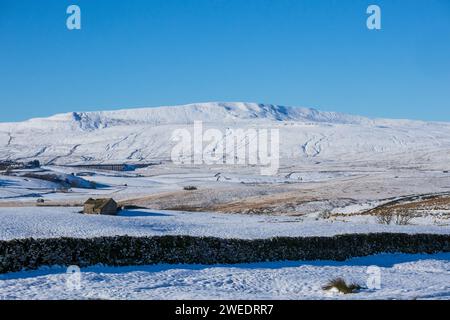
(306, 135)
(186, 114)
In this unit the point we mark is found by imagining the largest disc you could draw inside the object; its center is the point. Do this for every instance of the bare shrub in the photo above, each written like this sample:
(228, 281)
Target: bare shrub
(400, 217)
(324, 215)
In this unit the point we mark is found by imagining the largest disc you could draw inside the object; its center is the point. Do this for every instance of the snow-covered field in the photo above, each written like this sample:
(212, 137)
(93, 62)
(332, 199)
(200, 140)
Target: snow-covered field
(401, 276)
(41, 222)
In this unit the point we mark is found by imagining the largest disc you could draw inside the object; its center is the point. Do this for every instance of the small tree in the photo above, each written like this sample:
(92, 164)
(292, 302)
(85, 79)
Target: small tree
(385, 217)
(403, 217)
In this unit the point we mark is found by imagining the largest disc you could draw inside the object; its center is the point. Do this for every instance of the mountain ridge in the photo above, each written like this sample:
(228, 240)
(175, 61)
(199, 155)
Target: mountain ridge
(207, 112)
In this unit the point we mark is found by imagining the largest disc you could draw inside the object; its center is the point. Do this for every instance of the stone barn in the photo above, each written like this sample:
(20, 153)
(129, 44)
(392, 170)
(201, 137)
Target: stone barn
(100, 206)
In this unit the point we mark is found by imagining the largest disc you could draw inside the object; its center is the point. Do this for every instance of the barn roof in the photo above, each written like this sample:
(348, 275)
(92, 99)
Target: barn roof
(99, 203)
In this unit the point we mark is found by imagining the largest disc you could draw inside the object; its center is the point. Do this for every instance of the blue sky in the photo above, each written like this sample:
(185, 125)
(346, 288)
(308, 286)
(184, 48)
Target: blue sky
(315, 53)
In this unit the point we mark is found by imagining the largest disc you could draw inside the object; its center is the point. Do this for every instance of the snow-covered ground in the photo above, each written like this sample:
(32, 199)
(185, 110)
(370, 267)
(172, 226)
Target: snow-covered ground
(401, 276)
(41, 222)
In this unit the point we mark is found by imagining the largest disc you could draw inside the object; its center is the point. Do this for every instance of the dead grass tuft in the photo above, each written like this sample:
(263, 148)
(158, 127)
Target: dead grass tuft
(341, 285)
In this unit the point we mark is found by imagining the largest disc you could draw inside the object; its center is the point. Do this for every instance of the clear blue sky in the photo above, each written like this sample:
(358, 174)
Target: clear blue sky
(315, 53)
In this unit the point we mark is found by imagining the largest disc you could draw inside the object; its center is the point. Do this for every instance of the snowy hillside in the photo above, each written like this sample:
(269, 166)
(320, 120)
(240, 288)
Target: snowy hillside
(306, 135)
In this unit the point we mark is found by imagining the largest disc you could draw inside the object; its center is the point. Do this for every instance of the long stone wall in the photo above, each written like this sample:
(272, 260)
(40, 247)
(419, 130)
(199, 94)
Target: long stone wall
(16, 255)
